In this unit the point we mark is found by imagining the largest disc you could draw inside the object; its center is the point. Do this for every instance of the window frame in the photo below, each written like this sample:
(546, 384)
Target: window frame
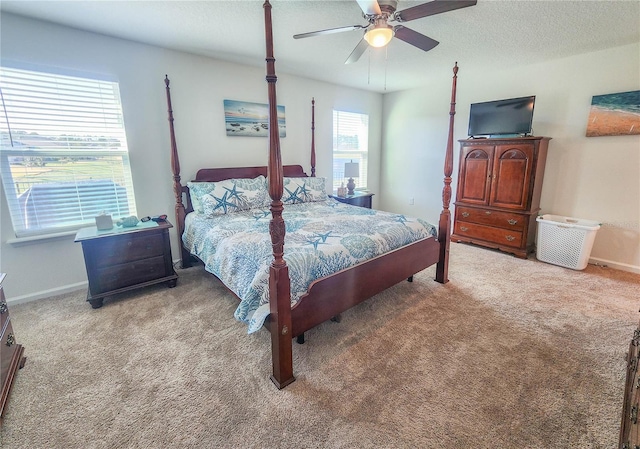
(77, 130)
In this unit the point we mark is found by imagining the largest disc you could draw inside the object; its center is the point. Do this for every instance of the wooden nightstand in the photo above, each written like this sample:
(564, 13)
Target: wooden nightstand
(124, 259)
(362, 199)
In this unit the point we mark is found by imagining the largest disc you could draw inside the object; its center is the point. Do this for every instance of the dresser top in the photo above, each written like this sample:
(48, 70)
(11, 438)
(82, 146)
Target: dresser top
(92, 231)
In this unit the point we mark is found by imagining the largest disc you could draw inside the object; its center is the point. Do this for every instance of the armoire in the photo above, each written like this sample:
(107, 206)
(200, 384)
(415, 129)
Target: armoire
(498, 195)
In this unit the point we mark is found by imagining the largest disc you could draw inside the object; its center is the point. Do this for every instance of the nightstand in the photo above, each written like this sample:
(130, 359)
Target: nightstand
(123, 259)
(362, 199)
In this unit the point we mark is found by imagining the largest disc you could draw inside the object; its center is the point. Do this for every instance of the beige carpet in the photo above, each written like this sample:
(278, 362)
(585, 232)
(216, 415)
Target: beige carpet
(510, 354)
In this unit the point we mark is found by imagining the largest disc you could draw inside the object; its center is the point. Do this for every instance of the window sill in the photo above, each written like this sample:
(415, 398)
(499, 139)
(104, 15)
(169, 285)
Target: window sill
(34, 239)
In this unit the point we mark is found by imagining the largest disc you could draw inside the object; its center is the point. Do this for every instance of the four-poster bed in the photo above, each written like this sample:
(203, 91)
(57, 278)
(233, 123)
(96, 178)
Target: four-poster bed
(330, 295)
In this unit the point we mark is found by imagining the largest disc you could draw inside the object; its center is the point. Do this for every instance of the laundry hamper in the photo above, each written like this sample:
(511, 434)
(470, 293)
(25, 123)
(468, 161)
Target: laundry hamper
(565, 241)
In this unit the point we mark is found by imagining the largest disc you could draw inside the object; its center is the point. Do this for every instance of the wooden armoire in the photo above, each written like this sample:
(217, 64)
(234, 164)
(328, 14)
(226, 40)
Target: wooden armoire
(499, 188)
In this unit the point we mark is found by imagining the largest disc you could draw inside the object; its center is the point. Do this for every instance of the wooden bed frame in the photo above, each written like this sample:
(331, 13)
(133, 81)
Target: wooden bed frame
(355, 284)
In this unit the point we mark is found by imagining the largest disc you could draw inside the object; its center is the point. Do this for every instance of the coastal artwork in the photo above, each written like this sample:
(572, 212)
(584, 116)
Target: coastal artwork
(250, 119)
(614, 114)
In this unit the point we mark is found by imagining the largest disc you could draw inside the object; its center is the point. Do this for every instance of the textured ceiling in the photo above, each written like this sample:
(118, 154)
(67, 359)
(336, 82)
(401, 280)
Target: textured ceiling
(494, 32)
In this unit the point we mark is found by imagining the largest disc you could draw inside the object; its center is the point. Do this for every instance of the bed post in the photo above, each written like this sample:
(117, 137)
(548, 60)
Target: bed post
(444, 227)
(313, 137)
(177, 187)
(279, 285)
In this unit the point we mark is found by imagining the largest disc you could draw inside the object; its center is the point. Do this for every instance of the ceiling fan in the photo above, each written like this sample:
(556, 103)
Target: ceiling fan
(380, 29)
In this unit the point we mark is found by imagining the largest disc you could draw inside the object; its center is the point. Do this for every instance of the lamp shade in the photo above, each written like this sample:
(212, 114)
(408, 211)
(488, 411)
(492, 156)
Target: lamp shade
(351, 170)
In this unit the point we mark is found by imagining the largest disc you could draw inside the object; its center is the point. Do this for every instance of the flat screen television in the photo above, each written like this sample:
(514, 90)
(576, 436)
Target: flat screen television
(512, 116)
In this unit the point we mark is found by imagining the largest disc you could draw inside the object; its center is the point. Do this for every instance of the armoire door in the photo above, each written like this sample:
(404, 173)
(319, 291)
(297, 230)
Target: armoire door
(512, 166)
(474, 182)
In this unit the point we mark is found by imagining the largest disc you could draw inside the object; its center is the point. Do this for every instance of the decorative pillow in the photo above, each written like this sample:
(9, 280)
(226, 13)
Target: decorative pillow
(233, 195)
(302, 190)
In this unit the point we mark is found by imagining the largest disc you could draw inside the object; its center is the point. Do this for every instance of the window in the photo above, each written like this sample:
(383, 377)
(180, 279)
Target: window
(350, 144)
(63, 151)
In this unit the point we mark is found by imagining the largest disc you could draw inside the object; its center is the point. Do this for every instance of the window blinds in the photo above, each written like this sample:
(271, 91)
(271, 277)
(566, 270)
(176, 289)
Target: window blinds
(350, 144)
(63, 154)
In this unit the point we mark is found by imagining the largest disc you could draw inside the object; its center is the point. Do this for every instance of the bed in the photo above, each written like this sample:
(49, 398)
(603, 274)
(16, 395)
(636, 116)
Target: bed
(285, 300)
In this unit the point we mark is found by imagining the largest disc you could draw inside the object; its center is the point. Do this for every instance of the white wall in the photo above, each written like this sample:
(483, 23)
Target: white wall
(199, 86)
(595, 178)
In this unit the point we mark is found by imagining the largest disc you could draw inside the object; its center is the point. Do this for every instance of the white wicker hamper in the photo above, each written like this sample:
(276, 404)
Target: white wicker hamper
(565, 241)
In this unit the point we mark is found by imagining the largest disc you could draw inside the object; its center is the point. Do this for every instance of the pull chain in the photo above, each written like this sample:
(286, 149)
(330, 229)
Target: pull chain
(386, 59)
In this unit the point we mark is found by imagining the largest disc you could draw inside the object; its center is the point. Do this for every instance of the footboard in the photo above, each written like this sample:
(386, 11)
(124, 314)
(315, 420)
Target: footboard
(330, 296)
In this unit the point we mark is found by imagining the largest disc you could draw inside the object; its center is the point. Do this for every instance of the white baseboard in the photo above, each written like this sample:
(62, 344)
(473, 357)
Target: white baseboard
(614, 265)
(47, 293)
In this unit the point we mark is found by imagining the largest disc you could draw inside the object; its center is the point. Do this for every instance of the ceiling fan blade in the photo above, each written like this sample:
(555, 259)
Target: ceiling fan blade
(329, 31)
(357, 52)
(414, 38)
(432, 8)
(369, 7)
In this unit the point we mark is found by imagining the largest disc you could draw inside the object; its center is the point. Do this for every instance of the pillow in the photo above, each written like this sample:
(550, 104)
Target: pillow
(302, 190)
(214, 198)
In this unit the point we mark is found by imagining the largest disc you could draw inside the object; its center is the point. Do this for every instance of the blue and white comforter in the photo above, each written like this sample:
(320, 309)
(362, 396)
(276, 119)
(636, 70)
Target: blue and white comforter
(321, 238)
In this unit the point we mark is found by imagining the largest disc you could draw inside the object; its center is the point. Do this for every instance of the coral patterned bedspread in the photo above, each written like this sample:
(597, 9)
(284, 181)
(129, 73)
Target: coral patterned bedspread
(322, 238)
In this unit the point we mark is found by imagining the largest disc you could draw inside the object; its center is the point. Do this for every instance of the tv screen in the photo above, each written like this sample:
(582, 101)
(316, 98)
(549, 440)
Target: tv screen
(510, 116)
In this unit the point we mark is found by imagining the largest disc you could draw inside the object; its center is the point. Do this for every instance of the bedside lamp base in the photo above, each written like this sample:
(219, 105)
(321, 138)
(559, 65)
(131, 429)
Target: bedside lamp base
(350, 186)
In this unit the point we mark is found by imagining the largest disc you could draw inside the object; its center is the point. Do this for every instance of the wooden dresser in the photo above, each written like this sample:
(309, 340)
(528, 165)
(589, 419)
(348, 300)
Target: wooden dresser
(629, 429)
(11, 358)
(126, 259)
(498, 196)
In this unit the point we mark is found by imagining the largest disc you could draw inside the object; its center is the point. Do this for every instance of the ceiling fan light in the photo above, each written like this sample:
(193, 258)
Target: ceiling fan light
(379, 37)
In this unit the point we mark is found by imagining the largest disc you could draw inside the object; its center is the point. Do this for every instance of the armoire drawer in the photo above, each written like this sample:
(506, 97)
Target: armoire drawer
(506, 237)
(487, 217)
(127, 248)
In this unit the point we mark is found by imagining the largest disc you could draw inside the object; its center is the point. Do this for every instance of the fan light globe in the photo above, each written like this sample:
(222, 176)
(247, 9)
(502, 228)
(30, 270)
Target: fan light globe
(379, 37)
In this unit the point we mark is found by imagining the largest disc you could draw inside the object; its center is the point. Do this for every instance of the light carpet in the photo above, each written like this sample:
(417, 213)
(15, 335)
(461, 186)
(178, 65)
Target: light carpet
(510, 353)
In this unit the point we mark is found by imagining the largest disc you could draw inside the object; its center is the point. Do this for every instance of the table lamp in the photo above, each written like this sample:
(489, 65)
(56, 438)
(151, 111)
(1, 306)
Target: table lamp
(351, 170)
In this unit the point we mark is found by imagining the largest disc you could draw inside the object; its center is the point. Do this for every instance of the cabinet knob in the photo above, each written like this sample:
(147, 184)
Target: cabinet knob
(465, 214)
(510, 238)
(464, 228)
(3, 308)
(488, 212)
(10, 339)
(512, 221)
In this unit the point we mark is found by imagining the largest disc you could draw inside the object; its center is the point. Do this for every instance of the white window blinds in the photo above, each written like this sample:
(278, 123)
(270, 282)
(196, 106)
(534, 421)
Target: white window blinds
(350, 144)
(63, 152)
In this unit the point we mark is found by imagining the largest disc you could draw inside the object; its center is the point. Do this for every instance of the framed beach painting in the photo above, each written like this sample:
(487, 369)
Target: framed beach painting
(250, 119)
(614, 114)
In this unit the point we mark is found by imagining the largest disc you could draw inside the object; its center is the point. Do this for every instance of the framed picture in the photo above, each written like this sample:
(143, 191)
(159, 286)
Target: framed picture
(614, 114)
(250, 119)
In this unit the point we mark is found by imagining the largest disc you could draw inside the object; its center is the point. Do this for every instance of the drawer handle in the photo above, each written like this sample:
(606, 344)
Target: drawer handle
(10, 339)
(510, 238)
(3, 308)
(488, 212)
(634, 414)
(512, 221)
(465, 214)
(464, 228)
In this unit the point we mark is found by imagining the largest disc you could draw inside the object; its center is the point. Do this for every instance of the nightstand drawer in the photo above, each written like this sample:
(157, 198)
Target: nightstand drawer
(504, 220)
(500, 236)
(127, 248)
(126, 274)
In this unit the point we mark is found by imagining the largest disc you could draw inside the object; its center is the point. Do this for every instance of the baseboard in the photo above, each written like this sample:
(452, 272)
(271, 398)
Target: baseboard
(614, 265)
(48, 293)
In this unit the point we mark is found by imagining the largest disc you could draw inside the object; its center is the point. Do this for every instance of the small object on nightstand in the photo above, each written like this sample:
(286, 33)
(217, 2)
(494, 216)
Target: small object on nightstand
(342, 190)
(104, 222)
(128, 222)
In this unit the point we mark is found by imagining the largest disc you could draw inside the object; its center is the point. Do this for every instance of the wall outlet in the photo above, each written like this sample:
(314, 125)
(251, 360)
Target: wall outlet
(411, 201)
